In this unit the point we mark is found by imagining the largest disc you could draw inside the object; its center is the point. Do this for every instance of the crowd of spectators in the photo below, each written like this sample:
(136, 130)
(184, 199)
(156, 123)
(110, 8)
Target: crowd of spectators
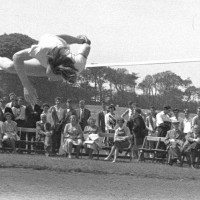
(64, 129)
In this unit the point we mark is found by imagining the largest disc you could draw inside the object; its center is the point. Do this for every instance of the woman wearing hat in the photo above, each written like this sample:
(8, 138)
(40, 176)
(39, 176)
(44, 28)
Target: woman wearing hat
(9, 129)
(122, 139)
(174, 140)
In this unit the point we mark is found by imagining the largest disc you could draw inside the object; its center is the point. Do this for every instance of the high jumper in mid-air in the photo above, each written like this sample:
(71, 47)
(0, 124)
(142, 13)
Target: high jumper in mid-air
(52, 58)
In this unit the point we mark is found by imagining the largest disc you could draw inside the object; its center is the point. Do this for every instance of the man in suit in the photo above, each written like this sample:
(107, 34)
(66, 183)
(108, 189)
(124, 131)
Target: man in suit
(101, 117)
(69, 111)
(56, 137)
(32, 115)
(83, 114)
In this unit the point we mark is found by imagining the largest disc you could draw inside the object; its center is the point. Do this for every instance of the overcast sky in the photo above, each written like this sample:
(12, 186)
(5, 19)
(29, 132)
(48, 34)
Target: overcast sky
(120, 30)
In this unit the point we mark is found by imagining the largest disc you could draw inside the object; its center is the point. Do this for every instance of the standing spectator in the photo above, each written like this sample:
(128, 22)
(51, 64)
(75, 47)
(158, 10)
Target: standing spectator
(56, 137)
(101, 117)
(12, 103)
(110, 119)
(186, 124)
(46, 111)
(163, 121)
(176, 116)
(196, 119)
(13, 100)
(174, 141)
(139, 130)
(72, 135)
(83, 114)
(9, 129)
(44, 133)
(32, 113)
(2, 109)
(19, 112)
(130, 111)
(69, 111)
(151, 121)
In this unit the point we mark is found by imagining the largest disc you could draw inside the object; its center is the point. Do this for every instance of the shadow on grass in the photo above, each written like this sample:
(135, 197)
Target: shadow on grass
(99, 167)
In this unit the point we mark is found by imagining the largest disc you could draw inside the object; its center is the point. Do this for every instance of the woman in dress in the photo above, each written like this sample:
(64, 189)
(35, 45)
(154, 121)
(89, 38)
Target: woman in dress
(92, 137)
(51, 57)
(9, 129)
(122, 139)
(110, 123)
(72, 135)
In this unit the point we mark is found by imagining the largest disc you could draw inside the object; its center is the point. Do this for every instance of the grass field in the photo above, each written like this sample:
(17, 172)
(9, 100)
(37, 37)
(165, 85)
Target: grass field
(38, 177)
(33, 177)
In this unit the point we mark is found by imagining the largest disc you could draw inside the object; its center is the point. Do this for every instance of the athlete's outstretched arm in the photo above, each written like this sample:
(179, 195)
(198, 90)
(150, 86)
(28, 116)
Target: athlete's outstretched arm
(30, 93)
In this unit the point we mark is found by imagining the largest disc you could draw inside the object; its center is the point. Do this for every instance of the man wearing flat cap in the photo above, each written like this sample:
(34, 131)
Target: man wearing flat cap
(174, 140)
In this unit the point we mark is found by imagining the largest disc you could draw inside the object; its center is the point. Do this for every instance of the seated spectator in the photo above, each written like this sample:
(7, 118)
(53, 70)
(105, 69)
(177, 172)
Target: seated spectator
(44, 133)
(163, 121)
(9, 129)
(72, 135)
(122, 139)
(174, 140)
(92, 139)
(192, 145)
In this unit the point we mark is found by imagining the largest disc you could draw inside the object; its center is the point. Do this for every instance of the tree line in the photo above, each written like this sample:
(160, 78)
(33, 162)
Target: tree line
(116, 86)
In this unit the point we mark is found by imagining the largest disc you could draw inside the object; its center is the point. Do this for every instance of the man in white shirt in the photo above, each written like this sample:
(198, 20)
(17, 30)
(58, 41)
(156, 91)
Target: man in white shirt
(19, 112)
(186, 124)
(56, 137)
(13, 100)
(129, 111)
(163, 121)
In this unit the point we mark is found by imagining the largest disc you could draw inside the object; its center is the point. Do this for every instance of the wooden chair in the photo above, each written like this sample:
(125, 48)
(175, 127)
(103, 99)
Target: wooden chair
(34, 144)
(148, 148)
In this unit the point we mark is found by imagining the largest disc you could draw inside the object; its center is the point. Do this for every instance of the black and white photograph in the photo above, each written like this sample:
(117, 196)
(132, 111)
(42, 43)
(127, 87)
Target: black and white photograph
(99, 99)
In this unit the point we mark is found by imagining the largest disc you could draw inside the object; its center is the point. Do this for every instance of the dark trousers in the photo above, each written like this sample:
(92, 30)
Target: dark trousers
(56, 138)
